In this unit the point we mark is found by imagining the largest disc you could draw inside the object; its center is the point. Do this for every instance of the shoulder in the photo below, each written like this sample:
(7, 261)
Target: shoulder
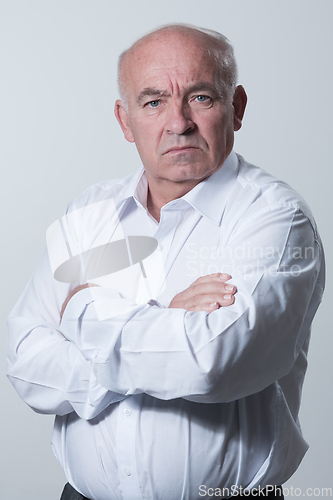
(259, 192)
(105, 190)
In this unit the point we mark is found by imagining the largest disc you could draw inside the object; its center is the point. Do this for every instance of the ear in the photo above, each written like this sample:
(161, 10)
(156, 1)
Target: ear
(239, 104)
(122, 117)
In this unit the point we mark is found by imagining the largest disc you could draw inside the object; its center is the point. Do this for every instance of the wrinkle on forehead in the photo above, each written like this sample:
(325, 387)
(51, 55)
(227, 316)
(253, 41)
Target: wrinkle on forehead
(172, 48)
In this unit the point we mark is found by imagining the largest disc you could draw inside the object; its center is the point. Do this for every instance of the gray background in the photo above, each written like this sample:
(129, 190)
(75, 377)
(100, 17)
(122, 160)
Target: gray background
(58, 136)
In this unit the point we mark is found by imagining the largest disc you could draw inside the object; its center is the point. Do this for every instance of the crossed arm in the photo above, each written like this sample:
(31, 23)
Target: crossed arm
(234, 351)
(207, 293)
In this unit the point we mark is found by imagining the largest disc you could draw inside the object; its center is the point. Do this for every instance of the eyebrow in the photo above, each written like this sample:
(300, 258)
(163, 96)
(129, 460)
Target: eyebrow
(202, 86)
(154, 92)
(150, 92)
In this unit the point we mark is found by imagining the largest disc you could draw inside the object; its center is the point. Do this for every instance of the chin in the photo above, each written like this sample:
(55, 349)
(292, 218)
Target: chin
(191, 173)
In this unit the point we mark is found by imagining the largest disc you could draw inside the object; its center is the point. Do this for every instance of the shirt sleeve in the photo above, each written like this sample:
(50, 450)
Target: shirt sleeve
(219, 357)
(49, 372)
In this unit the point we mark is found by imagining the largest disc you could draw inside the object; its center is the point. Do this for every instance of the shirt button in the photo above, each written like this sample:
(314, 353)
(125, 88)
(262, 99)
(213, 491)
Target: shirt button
(127, 471)
(127, 412)
(160, 247)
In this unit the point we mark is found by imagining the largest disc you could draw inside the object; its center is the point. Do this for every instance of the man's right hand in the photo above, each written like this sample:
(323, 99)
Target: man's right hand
(207, 293)
(71, 294)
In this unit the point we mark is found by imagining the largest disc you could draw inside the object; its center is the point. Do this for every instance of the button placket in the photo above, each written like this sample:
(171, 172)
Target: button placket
(126, 440)
(165, 233)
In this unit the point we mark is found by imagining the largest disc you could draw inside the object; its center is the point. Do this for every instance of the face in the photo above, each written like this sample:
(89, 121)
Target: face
(181, 126)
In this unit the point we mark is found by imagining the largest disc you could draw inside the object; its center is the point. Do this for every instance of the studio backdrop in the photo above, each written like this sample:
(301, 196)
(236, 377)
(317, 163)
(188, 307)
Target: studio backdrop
(58, 135)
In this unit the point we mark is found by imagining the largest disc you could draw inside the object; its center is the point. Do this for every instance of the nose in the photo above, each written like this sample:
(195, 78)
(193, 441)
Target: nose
(178, 119)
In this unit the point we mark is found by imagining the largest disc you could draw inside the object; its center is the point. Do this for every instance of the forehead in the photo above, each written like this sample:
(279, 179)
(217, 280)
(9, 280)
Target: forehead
(166, 60)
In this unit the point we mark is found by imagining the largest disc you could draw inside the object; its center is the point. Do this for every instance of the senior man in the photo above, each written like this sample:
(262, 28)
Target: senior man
(168, 380)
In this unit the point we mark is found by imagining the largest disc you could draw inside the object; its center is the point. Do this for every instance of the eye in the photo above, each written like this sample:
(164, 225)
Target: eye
(153, 104)
(201, 101)
(202, 98)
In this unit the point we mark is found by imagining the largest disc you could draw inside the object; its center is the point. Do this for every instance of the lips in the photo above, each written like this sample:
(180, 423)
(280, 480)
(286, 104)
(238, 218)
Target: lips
(180, 149)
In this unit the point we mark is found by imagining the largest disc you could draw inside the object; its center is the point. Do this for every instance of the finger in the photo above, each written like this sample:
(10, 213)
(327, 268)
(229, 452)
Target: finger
(209, 288)
(71, 294)
(212, 277)
(202, 307)
(222, 300)
(230, 288)
(202, 294)
(226, 300)
(206, 302)
(207, 306)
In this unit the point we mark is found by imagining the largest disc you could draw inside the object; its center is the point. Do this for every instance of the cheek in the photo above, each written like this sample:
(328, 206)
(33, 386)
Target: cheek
(222, 128)
(218, 134)
(149, 140)
(145, 139)
(215, 133)
(143, 129)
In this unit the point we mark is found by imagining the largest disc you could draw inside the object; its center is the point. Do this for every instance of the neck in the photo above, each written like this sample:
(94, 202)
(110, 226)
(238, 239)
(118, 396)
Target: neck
(161, 194)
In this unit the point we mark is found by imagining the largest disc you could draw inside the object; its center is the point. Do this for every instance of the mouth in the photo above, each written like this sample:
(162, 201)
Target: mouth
(177, 150)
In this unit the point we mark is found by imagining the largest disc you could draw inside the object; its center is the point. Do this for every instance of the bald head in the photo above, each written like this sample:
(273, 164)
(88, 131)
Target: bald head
(217, 47)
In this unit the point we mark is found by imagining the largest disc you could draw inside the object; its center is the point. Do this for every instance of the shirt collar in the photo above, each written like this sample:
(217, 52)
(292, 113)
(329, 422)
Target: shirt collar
(134, 186)
(209, 197)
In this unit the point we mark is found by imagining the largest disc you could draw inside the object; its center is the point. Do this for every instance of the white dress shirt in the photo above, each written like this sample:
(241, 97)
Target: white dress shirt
(161, 404)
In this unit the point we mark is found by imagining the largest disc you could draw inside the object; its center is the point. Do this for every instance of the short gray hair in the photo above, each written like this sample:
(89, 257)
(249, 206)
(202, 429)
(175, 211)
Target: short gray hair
(222, 52)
